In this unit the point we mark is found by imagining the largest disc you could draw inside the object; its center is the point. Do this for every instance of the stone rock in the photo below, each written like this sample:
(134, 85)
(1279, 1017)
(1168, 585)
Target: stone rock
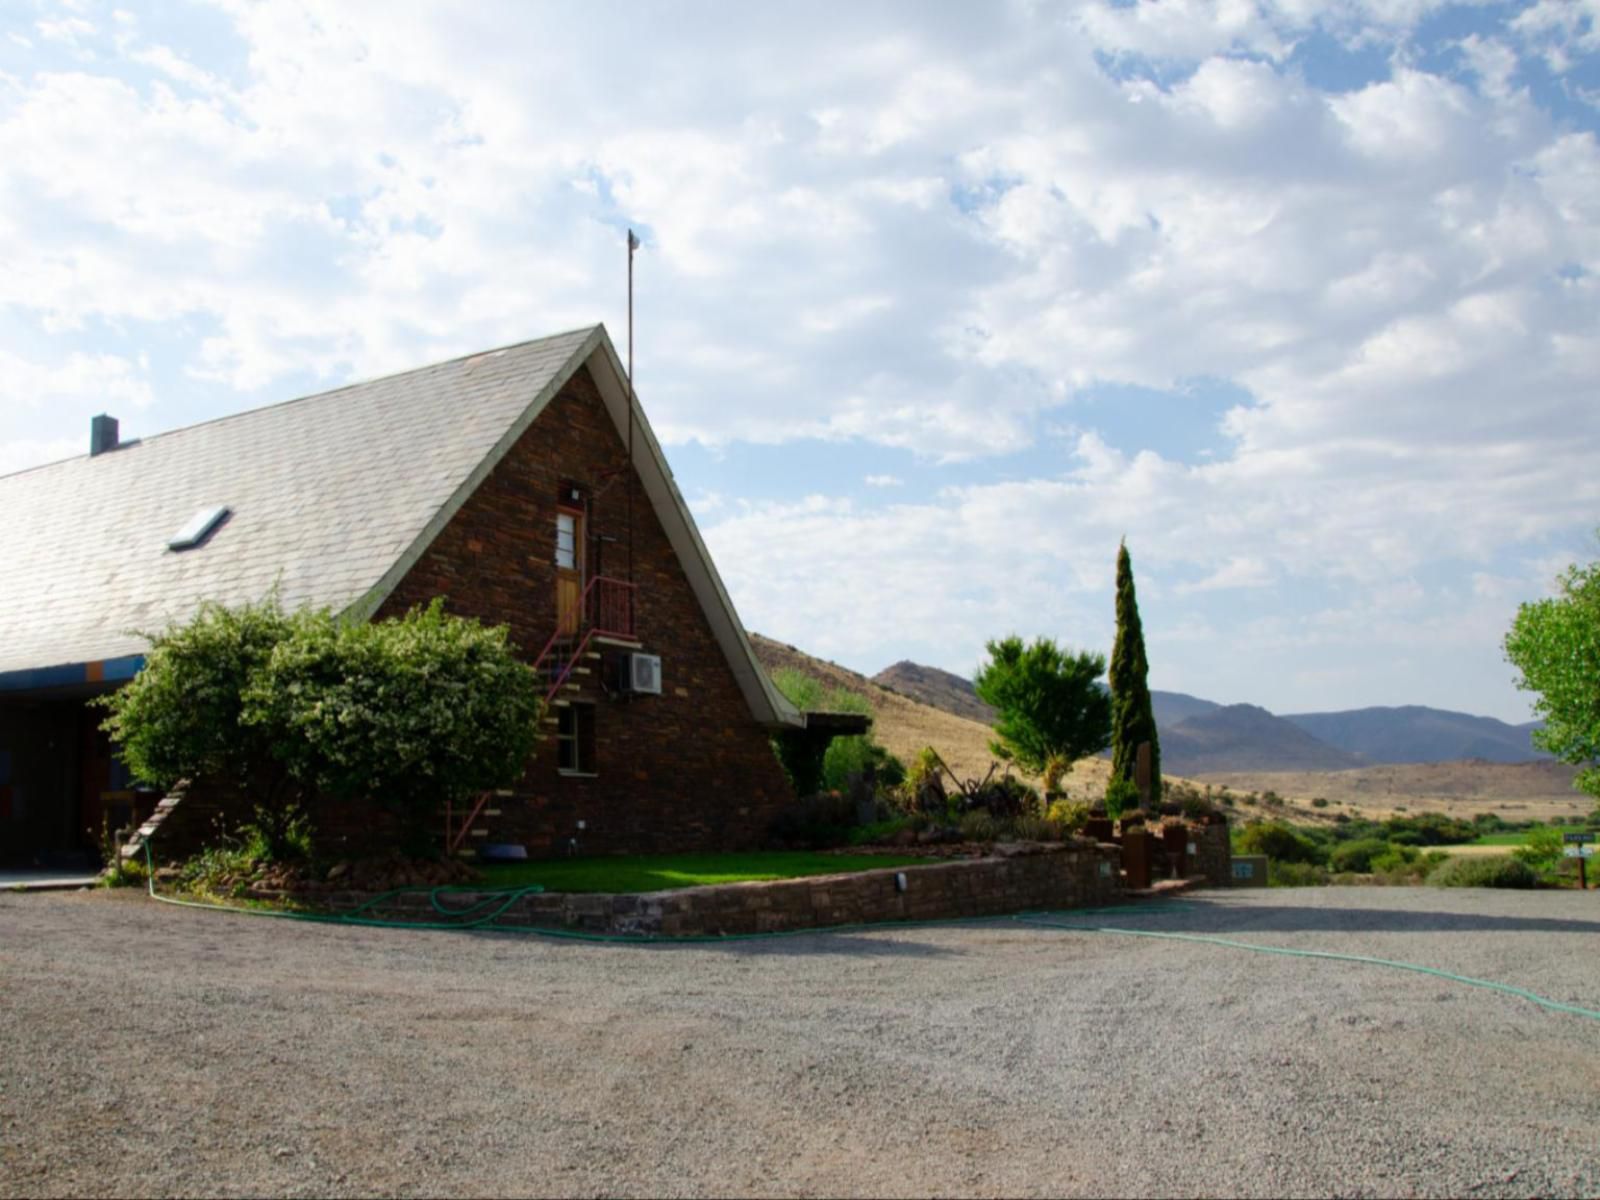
(339, 871)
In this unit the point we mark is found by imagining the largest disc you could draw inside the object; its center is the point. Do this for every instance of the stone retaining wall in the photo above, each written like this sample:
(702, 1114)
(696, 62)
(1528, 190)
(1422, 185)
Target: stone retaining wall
(1036, 877)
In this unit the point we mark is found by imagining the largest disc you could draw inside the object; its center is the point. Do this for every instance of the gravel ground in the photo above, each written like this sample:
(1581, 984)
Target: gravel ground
(146, 1049)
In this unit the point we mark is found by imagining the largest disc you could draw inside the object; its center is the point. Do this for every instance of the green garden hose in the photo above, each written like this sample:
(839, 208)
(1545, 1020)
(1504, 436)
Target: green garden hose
(495, 904)
(1289, 951)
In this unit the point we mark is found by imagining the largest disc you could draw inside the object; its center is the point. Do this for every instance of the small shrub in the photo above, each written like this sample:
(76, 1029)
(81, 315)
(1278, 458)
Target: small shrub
(1357, 856)
(1197, 808)
(1007, 799)
(979, 826)
(1121, 795)
(1036, 829)
(1319, 802)
(1542, 851)
(1295, 874)
(1068, 815)
(847, 756)
(1497, 871)
(1395, 858)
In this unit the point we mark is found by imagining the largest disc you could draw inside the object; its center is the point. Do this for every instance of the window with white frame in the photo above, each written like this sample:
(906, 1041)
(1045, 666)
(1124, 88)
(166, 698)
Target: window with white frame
(566, 541)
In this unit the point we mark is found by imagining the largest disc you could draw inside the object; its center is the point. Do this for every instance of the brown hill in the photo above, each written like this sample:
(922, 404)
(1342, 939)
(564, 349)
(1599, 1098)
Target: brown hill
(1242, 737)
(937, 689)
(904, 725)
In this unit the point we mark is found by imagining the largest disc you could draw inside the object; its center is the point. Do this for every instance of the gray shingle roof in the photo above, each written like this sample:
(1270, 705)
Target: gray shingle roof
(327, 495)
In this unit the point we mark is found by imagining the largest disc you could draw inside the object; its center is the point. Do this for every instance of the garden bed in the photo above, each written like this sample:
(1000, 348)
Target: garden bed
(1038, 876)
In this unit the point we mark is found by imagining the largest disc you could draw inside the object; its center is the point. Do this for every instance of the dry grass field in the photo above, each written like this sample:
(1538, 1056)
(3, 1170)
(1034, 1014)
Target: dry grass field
(1534, 791)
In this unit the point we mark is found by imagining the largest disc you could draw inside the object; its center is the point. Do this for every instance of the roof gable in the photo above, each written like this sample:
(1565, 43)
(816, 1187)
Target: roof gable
(331, 499)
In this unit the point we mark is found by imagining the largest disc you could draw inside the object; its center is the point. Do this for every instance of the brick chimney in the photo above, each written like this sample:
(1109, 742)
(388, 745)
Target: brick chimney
(102, 435)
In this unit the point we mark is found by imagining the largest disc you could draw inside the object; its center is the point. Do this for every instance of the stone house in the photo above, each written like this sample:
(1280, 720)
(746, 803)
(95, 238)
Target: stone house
(500, 481)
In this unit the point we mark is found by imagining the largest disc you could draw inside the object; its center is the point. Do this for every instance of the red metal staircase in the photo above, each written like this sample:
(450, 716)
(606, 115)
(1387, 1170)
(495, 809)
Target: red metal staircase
(605, 610)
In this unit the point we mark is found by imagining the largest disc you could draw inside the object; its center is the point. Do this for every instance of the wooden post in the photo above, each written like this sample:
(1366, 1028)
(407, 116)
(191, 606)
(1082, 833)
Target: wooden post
(1141, 775)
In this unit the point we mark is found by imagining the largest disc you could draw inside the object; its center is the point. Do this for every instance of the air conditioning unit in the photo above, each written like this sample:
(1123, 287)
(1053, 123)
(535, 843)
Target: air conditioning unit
(642, 674)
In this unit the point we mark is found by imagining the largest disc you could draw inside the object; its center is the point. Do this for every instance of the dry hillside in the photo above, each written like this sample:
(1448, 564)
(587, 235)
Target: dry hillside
(1516, 791)
(904, 726)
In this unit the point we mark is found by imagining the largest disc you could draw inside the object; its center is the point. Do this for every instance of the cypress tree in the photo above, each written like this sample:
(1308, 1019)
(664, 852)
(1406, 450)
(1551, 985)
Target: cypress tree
(1132, 718)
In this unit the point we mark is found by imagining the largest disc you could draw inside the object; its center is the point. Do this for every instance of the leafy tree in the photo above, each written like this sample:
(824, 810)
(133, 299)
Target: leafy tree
(1555, 643)
(1133, 720)
(1049, 701)
(182, 716)
(411, 712)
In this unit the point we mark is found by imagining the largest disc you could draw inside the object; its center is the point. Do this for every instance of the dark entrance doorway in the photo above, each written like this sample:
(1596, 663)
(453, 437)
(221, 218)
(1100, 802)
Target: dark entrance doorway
(59, 780)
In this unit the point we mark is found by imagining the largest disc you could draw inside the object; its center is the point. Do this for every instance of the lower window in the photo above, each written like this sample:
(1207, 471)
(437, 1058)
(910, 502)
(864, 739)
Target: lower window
(575, 739)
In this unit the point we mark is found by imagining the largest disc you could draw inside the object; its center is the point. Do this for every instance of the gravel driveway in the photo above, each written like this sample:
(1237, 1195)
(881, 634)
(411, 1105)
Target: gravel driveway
(146, 1049)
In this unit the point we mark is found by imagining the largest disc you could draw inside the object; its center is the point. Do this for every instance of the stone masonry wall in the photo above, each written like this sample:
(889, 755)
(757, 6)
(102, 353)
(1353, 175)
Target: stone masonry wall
(1213, 855)
(689, 769)
(1056, 877)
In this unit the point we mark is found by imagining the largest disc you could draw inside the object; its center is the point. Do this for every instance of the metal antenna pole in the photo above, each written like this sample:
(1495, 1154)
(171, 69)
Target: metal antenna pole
(633, 244)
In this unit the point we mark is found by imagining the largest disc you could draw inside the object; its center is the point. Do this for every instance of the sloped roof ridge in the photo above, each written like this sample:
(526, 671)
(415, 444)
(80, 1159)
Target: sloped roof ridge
(275, 405)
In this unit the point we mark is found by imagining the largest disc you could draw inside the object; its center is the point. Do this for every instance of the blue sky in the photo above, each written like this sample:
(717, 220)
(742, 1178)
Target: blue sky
(936, 303)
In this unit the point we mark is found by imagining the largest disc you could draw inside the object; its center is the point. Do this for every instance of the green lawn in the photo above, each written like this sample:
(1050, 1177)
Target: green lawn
(659, 872)
(1516, 837)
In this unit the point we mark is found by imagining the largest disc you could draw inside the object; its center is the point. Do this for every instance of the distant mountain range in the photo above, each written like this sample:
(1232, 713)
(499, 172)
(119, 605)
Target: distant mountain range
(1200, 736)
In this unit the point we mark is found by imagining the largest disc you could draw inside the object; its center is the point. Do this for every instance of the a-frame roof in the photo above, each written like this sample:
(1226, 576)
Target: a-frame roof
(331, 499)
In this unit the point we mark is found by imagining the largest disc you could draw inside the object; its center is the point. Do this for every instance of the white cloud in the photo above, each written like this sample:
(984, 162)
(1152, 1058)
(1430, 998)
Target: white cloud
(1235, 573)
(927, 235)
(884, 481)
(88, 379)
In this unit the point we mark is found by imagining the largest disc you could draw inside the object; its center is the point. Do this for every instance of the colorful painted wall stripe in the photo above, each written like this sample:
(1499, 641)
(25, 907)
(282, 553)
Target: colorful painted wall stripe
(109, 670)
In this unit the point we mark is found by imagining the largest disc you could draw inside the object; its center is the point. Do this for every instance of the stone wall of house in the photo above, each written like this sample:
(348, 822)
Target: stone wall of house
(1050, 876)
(686, 770)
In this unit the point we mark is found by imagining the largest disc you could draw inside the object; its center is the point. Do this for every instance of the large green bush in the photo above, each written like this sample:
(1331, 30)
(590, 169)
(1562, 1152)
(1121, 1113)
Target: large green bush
(1497, 871)
(847, 756)
(1281, 842)
(1357, 856)
(182, 716)
(411, 712)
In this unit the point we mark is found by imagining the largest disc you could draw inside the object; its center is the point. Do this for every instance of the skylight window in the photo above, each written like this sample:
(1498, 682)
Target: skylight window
(201, 526)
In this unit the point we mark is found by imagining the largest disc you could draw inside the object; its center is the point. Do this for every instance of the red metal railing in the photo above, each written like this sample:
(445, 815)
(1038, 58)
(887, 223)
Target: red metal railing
(605, 609)
(608, 606)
